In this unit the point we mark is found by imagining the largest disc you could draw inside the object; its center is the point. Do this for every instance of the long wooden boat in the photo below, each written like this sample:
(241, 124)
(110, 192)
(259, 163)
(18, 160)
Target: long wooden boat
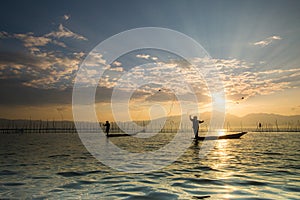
(229, 136)
(117, 135)
(120, 134)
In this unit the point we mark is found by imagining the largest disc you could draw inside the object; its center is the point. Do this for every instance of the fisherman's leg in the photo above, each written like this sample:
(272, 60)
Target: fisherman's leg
(195, 133)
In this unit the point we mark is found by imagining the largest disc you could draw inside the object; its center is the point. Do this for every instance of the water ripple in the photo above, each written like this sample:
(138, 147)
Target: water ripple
(74, 173)
(7, 173)
(57, 166)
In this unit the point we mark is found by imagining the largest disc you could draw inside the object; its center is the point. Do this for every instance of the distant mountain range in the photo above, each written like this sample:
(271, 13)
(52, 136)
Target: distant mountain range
(250, 120)
(231, 121)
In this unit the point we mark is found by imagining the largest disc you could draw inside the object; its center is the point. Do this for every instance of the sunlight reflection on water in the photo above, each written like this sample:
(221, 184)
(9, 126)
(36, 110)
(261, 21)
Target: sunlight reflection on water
(260, 165)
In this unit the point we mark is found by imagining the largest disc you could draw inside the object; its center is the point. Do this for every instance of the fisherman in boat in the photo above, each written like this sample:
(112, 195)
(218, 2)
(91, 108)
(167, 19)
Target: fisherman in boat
(196, 123)
(107, 125)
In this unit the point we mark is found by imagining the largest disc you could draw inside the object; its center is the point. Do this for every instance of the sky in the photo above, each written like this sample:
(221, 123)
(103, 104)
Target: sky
(255, 45)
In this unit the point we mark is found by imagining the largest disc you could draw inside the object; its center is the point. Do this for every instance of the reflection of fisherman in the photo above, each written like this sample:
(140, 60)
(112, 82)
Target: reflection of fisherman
(107, 124)
(196, 123)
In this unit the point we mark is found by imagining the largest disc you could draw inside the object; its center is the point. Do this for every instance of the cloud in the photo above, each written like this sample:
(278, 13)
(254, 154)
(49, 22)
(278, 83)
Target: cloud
(118, 69)
(3, 35)
(54, 71)
(49, 71)
(40, 72)
(245, 80)
(15, 58)
(144, 56)
(28, 39)
(58, 43)
(267, 41)
(44, 70)
(40, 67)
(32, 41)
(66, 17)
(117, 64)
(240, 79)
(64, 32)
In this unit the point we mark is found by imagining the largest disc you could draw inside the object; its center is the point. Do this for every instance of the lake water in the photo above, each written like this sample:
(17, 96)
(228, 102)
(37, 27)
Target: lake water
(57, 166)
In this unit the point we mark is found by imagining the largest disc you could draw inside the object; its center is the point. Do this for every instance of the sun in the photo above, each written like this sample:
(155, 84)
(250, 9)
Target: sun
(221, 132)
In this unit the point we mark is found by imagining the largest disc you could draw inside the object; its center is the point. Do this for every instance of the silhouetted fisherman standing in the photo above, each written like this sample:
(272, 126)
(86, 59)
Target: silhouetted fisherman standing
(196, 123)
(107, 125)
